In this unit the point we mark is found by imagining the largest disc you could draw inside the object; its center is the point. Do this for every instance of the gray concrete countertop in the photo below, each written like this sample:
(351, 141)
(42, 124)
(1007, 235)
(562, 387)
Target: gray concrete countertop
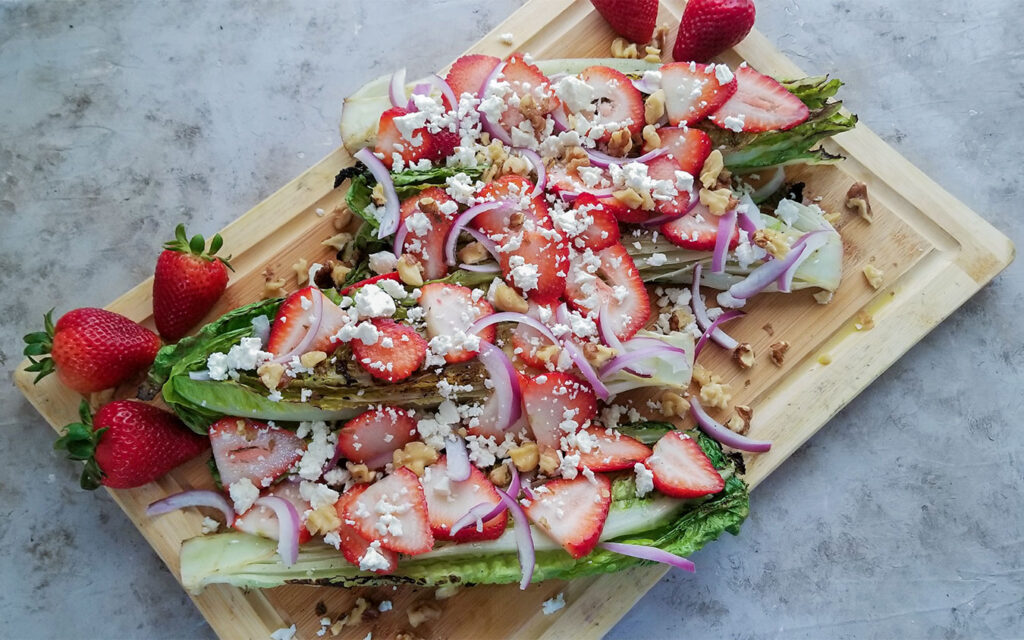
(903, 518)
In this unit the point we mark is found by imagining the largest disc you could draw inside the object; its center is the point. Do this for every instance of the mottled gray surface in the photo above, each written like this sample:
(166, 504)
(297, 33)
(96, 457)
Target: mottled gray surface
(903, 518)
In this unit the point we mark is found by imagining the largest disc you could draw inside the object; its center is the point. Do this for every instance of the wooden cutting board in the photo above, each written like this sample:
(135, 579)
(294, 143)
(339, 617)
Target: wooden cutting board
(934, 251)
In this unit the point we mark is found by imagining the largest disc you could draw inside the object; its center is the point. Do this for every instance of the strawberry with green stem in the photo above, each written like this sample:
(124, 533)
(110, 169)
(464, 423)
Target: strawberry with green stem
(188, 281)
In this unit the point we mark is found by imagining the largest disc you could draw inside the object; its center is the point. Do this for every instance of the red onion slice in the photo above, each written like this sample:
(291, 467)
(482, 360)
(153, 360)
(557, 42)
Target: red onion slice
(561, 121)
(512, 316)
(478, 513)
(458, 458)
(619, 362)
(289, 523)
(421, 89)
(768, 272)
(481, 237)
(726, 224)
(446, 90)
(465, 218)
(599, 159)
(399, 243)
(653, 554)
(507, 394)
(749, 223)
(194, 498)
(515, 485)
(644, 85)
(725, 317)
(611, 340)
(316, 310)
(396, 90)
(811, 243)
(495, 129)
(538, 166)
(700, 312)
(723, 434)
(586, 369)
(389, 222)
(524, 538)
(669, 217)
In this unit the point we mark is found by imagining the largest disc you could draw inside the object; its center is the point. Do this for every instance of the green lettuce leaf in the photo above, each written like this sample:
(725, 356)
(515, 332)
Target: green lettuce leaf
(678, 526)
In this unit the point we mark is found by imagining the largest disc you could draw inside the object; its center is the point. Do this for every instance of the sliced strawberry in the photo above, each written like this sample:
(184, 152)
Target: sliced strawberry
(614, 288)
(448, 501)
(468, 73)
(537, 267)
(444, 144)
(427, 229)
(374, 280)
(572, 512)
(681, 469)
(517, 189)
(244, 448)
(697, 230)
(295, 316)
(615, 100)
(398, 352)
(612, 451)
(689, 148)
(760, 104)
(556, 404)
(391, 141)
(526, 341)
(373, 436)
(596, 222)
(665, 168)
(693, 90)
(524, 78)
(353, 545)
(261, 521)
(394, 511)
(449, 309)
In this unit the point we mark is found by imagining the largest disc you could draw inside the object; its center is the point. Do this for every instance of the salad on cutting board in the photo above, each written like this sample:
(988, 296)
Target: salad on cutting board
(497, 378)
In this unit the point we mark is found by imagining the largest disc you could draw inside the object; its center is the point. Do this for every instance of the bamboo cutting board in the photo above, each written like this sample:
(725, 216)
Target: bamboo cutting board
(934, 251)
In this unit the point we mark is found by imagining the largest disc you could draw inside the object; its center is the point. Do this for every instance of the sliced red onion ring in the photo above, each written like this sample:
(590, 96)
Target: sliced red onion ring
(389, 222)
(599, 159)
(669, 217)
(399, 243)
(288, 523)
(811, 243)
(723, 434)
(512, 316)
(503, 375)
(495, 129)
(442, 85)
(465, 218)
(421, 89)
(478, 513)
(316, 310)
(749, 223)
(663, 351)
(524, 538)
(515, 485)
(768, 272)
(643, 85)
(700, 312)
(725, 317)
(538, 166)
(194, 498)
(458, 458)
(611, 340)
(771, 186)
(481, 268)
(586, 369)
(649, 553)
(561, 121)
(482, 238)
(396, 90)
(726, 224)
(528, 493)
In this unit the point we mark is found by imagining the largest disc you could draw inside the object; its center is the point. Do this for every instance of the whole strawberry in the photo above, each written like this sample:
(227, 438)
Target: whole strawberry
(91, 349)
(631, 19)
(128, 444)
(188, 282)
(709, 27)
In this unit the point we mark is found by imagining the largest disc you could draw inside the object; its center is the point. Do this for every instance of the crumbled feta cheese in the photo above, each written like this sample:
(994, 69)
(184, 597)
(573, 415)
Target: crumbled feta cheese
(788, 211)
(734, 123)
(319, 450)
(644, 479)
(285, 633)
(317, 494)
(553, 605)
(244, 356)
(373, 559)
(243, 493)
(657, 259)
(567, 465)
(382, 262)
(210, 525)
(684, 181)
(372, 302)
(723, 73)
(385, 605)
(524, 275)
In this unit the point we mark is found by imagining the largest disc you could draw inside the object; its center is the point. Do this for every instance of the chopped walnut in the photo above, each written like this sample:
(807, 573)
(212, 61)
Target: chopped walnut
(831, 217)
(338, 241)
(773, 241)
(416, 456)
(515, 165)
(737, 425)
(516, 220)
(702, 375)
(874, 276)
(746, 414)
(651, 138)
(713, 166)
(312, 358)
(660, 36)
(576, 157)
(526, 456)
(473, 253)
(769, 329)
(274, 288)
(622, 48)
(716, 394)
(423, 612)
(270, 374)
(301, 269)
(680, 319)
(718, 201)
(652, 54)
(743, 354)
(548, 462)
(548, 353)
(353, 618)
(673, 405)
(778, 352)
(508, 299)
(405, 635)
(857, 200)
(338, 274)
(361, 473)
(629, 197)
(654, 109)
(322, 521)
(598, 354)
(824, 296)
(377, 195)
(864, 321)
(499, 476)
(342, 218)
(620, 143)
(409, 270)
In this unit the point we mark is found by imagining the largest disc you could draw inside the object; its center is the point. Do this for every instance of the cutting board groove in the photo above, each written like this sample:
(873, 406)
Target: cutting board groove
(935, 253)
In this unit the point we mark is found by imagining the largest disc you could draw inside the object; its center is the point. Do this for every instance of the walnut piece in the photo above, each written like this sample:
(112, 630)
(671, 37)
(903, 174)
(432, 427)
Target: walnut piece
(338, 274)
(526, 456)
(654, 110)
(270, 374)
(874, 276)
(718, 201)
(342, 218)
(652, 54)
(499, 476)
(737, 425)
(773, 241)
(446, 591)
(473, 253)
(508, 299)
(351, 619)
(713, 166)
(651, 138)
(409, 271)
(423, 612)
(743, 354)
(824, 296)
(323, 520)
(778, 352)
(312, 358)
(629, 197)
(361, 473)
(301, 269)
(416, 456)
(622, 48)
(273, 288)
(548, 462)
(673, 405)
(598, 354)
(716, 394)
(857, 200)
(746, 414)
(620, 143)
(338, 241)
